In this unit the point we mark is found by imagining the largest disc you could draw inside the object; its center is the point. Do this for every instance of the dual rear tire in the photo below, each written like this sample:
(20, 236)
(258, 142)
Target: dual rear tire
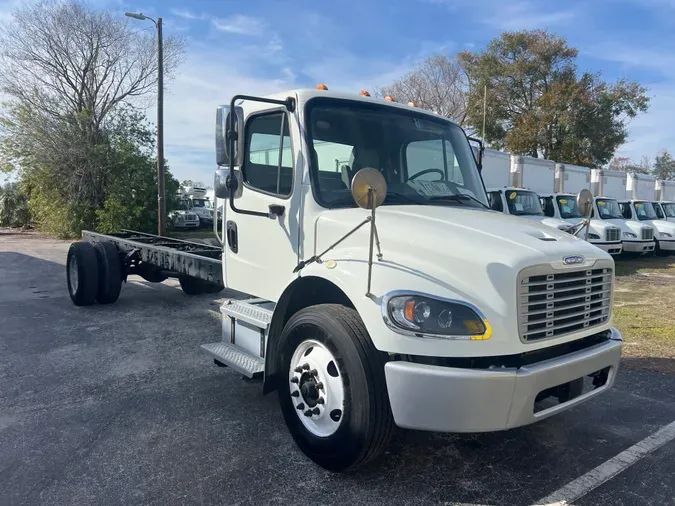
(94, 273)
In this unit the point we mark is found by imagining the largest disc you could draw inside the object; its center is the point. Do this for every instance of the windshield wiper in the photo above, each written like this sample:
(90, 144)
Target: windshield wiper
(459, 198)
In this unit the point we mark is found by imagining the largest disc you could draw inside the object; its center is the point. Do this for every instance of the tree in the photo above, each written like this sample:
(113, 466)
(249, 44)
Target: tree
(620, 163)
(14, 210)
(72, 75)
(438, 83)
(190, 182)
(664, 165)
(538, 106)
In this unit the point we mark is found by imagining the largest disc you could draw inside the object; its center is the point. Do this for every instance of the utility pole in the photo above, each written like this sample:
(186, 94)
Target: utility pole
(161, 200)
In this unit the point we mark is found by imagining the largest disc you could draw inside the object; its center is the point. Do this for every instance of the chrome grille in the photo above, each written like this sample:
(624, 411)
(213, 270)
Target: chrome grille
(613, 234)
(553, 304)
(190, 216)
(647, 234)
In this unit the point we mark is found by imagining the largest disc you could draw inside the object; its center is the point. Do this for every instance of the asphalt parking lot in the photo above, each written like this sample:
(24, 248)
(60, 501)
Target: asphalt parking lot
(112, 405)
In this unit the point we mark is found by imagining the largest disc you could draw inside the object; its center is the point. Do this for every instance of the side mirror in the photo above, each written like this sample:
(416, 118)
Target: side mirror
(223, 156)
(477, 149)
(585, 202)
(221, 184)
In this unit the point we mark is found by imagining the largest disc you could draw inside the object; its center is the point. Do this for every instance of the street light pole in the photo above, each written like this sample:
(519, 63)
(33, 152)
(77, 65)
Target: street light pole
(161, 201)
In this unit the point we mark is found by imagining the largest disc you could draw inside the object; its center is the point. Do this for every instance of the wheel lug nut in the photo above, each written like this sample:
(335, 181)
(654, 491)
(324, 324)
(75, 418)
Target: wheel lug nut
(300, 406)
(305, 367)
(316, 411)
(308, 412)
(295, 394)
(314, 372)
(320, 400)
(319, 386)
(298, 369)
(294, 379)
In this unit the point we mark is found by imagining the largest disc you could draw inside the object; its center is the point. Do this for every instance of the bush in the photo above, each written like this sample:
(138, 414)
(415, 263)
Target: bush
(14, 210)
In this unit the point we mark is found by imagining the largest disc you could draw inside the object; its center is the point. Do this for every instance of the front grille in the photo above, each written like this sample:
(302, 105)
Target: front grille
(647, 234)
(190, 216)
(613, 234)
(554, 304)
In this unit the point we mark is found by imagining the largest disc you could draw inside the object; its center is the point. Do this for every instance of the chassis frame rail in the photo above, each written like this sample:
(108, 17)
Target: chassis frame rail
(174, 256)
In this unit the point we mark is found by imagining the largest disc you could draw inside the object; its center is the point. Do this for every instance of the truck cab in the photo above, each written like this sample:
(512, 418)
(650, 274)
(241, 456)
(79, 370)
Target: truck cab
(642, 211)
(380, 288)
(637, 237)
(665, 211)
(195, 200)
(563, 206)
(524, 204)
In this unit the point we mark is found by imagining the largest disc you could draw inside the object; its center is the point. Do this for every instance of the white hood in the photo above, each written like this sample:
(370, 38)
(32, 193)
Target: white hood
(549, 222)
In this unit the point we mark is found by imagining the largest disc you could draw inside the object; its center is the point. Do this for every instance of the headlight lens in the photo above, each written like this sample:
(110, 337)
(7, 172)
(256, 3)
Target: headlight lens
(593, 236)
(630, 235)
(666, 234)
(428, 316)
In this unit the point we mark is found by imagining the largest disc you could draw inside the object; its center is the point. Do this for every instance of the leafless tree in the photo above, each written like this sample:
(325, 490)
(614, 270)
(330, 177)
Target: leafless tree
(437, 83)
(64, 59)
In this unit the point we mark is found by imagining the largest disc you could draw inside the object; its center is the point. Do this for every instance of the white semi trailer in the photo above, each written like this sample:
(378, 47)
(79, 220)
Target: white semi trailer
(382, 291)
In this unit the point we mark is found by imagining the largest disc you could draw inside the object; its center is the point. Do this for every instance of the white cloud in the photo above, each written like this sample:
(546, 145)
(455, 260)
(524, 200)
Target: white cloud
(240, 24)
(186, 14)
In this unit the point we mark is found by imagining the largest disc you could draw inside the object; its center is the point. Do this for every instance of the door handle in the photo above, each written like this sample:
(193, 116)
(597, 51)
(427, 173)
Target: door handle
(276, 210)
(232, 239)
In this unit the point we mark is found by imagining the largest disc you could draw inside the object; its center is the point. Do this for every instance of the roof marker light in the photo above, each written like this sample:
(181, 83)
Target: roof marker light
(322, 87)
(389, 99)
(412, 104)
(364, 93)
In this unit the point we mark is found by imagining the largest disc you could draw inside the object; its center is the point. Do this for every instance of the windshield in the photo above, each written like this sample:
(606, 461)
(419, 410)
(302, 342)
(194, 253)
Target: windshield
(568, 207)
(523, 203)
(424, 160)
(608, 209)
(669, 209)
(644, 211)
(202, 203)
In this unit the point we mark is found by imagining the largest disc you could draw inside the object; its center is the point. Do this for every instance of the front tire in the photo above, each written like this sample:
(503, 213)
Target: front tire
(82, 273)
(328, 345)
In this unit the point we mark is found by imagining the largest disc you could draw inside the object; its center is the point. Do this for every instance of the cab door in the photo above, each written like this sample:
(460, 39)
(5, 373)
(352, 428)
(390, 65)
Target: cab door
(260, 252)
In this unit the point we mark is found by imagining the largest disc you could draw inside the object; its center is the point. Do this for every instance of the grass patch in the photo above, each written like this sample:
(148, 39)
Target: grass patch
(644, 312)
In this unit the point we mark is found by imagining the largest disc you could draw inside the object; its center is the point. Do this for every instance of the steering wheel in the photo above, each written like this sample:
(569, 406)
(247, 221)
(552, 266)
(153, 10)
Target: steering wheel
(427, 171)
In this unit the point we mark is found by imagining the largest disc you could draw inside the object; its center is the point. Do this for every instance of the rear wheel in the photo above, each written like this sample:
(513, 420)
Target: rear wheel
(194, 286)
(109, 272)
(332, 392)
(82, 273)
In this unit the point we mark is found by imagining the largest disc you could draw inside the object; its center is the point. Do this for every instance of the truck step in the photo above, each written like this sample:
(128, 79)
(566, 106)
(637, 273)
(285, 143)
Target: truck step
(236, 358)
(248, 311)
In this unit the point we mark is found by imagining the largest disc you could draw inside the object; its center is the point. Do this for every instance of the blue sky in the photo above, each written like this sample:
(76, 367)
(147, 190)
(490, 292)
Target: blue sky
(261, 46)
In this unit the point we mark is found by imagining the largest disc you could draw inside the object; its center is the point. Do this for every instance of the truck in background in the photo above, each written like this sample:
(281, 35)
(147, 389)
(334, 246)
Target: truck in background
(386, 299)
(638, 206)
(569, 181)
(503, 177)
(608, 187)
(195, 200)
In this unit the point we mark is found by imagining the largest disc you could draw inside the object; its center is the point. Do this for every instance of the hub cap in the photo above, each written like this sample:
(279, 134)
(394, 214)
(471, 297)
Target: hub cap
(72, 274)
(316, 387)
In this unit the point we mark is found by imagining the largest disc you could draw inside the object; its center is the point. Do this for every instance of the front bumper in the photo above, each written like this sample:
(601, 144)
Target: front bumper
(666, 245)
(613, 248)
(449, 399)
(638, 246)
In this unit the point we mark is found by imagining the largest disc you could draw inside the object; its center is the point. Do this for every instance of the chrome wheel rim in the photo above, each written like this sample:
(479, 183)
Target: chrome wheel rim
(73, 275)
(316, 388)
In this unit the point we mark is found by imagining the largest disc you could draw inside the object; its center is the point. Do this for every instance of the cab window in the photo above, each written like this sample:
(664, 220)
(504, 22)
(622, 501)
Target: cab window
(547, 205)
(625, 210)
(659, 212)
(263, 168)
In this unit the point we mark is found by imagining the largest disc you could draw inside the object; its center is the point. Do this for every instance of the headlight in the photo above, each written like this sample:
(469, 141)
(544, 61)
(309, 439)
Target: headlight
(179, 217)
(666, 234)
(427, 316)
(593, 236)
(630, 235)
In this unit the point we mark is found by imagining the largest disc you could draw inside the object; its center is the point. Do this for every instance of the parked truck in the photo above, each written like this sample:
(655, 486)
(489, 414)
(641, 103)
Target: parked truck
(607, 186)
(382, 290)
(568, 181)
(196, 201)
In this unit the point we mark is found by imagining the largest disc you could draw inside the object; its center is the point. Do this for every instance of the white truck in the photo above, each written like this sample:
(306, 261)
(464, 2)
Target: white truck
(608, 188)
(562, 204)
(430, 312)
(665, 210)
(503, 176)
(195, 200)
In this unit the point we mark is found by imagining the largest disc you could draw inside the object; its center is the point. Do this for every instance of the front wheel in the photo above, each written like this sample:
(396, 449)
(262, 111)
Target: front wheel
(332, 392)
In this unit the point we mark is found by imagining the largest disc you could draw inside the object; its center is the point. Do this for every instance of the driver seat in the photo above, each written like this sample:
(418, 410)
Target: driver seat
(359, 159)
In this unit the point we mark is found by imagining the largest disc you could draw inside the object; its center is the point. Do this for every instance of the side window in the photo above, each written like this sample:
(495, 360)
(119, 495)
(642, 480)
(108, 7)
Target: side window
(433, 154)
(496, 201)
(625, 210)
(659, 211)
(547, 205)
(263, 168)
